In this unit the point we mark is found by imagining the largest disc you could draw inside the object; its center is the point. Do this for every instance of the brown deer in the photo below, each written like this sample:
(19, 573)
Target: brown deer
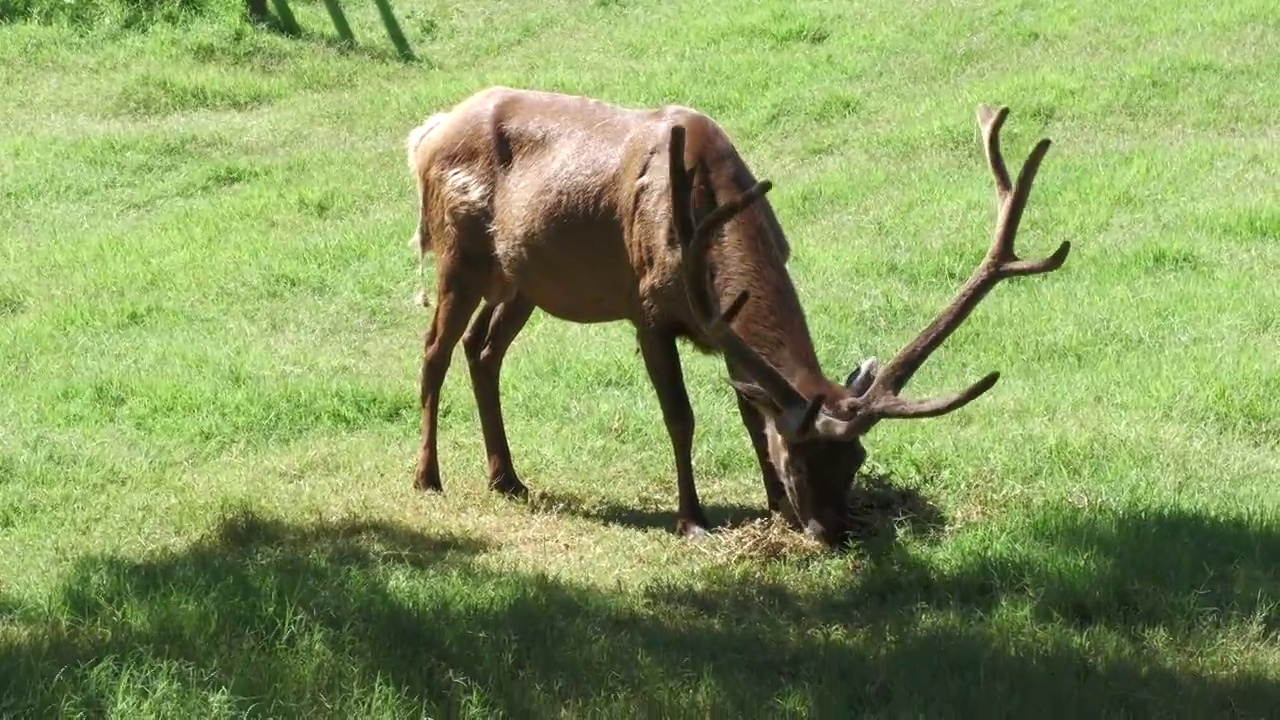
(596, 213)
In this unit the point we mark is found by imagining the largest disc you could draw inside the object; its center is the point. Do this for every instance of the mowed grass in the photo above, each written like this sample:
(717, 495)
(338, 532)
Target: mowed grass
(208, 414)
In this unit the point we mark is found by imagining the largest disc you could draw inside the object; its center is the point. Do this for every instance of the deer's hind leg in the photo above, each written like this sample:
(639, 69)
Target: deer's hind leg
(486, 344)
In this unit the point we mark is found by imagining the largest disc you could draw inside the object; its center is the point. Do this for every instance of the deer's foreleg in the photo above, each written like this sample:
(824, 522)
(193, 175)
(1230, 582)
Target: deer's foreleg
(775, 493)
(662, 361)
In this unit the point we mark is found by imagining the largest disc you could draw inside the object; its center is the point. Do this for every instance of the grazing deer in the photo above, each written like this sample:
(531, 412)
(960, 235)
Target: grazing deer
(596, 213)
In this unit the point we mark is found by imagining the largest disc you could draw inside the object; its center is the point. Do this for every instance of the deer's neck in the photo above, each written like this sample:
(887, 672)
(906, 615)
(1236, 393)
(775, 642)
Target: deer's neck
(772, 322)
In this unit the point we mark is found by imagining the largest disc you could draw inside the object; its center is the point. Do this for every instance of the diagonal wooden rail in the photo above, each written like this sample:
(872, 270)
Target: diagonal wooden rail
(258, 12)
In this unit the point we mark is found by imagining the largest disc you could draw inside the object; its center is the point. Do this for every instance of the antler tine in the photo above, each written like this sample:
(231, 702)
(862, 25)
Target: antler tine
(893, 406)
(990, 120)
(1011, 216)
(1013, 199)
(694, 241)
(881, 399)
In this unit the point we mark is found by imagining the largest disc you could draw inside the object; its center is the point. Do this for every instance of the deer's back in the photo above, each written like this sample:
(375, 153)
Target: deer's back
(574, 211)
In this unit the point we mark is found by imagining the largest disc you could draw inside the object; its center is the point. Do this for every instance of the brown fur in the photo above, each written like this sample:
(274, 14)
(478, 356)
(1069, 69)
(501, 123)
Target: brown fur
(562, 203)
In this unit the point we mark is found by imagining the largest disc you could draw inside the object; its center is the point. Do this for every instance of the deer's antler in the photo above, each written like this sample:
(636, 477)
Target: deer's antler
(694, 241)
(881, 399)
(877, 386)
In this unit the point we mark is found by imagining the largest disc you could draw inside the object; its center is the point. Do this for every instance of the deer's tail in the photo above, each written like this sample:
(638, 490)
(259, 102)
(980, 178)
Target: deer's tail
(421, 236)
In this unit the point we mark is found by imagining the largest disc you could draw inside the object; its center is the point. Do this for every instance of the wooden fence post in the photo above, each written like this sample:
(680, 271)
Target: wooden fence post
(340, 22)
(258, 12)
(287, 20)
(393, 29)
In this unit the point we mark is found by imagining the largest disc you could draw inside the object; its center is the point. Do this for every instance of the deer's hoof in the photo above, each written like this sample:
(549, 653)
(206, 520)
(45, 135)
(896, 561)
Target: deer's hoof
(510, 486)
(427, 482)
(785, 513)
(691, 530)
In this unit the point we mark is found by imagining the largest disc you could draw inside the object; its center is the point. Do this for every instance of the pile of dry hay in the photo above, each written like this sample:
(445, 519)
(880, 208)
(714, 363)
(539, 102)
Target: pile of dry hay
(880, 510)
(761, 539)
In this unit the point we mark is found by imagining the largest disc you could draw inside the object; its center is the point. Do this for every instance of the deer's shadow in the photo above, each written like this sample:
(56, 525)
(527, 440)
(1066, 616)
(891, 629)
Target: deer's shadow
(639, 516)
(883, 508)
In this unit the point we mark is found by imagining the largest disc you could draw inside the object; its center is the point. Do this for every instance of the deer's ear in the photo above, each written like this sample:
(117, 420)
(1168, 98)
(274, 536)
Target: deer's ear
(757, 396)
(862, 376)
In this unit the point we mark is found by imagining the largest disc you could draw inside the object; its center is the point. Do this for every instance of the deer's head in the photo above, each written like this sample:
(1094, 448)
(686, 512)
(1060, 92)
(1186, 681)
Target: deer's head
(815, 441)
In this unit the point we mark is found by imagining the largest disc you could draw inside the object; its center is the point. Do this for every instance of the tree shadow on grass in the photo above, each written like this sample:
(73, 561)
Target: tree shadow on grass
(363, 618)
(1087, 613)
(8, 608)
(1133, 569)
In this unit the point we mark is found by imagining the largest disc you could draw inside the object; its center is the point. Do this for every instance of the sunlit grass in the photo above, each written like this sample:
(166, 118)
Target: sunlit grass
(208, 407)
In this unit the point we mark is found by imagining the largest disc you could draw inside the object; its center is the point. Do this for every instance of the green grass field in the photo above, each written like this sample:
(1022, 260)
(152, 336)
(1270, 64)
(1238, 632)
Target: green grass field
(208, 403)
